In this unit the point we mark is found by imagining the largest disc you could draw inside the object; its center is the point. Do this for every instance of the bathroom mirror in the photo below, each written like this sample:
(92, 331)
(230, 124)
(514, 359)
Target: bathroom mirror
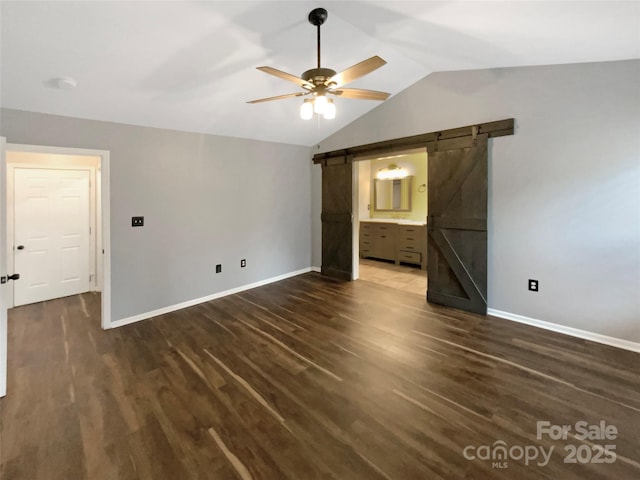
(392, 195)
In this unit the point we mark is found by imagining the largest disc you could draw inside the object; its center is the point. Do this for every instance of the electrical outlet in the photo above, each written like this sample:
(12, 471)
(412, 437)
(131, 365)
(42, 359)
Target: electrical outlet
(243, 263)
(219, 268)
(533, 285)
(137, 221)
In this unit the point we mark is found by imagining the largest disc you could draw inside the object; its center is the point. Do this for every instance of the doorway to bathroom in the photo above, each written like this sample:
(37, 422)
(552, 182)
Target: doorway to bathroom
(391, 208)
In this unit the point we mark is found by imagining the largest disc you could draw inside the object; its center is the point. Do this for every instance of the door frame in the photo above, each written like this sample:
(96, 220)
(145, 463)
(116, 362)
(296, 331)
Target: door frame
(4, 291)
(355, 230)
(102, 212)
(357, 207)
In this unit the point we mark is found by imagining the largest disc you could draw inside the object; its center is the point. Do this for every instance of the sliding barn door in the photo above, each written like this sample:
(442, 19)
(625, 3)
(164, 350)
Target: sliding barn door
(457, 224)
(337, 218)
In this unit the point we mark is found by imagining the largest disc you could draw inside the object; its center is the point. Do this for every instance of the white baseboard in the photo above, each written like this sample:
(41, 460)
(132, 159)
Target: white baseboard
(196, 301)
(574, 332)
(316, 269)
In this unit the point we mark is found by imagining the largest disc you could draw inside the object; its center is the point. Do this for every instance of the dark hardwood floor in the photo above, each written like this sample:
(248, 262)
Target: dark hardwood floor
(309, 378)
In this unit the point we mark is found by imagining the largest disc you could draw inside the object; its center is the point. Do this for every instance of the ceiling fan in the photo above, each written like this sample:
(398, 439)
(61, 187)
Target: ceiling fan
(318, 82)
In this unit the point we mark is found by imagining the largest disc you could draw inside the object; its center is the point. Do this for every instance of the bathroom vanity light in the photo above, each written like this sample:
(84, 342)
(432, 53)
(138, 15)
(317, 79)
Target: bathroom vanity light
(392, 172)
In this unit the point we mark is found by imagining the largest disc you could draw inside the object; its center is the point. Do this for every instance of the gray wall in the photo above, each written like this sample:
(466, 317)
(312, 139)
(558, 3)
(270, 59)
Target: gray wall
(564, 190)
(206, 200)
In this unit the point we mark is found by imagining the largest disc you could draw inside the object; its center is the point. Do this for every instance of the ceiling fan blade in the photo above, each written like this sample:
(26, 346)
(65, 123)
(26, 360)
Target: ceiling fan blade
(360, 94)
(356, 71)
(279, 97)
(287, 76)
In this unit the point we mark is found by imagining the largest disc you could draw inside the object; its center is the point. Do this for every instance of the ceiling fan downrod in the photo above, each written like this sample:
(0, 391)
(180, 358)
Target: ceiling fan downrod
(317, 17)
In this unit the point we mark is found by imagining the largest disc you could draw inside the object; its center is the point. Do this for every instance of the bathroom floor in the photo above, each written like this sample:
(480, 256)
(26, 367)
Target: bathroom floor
(400, 277)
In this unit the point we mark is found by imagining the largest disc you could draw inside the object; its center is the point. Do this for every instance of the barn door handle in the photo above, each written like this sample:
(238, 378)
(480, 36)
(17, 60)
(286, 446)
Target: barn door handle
(20, 247)
(430, 226)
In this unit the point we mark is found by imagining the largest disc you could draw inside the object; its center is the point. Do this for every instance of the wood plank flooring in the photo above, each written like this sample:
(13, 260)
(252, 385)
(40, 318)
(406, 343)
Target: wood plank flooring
(308, 378)
(401, 277)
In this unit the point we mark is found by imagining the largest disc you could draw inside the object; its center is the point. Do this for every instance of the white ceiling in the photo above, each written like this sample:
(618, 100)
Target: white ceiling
(191, 65)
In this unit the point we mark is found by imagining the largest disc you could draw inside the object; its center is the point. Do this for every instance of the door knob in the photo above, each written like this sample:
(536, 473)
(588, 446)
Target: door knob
(15, 276)
(20, 247)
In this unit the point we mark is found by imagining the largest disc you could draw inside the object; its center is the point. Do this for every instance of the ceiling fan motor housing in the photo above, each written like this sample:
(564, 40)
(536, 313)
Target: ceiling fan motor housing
(318, 76)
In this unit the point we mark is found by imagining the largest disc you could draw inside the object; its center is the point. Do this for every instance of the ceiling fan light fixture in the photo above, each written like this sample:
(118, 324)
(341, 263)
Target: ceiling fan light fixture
(330, 110)
(320, 104)
(306, 109)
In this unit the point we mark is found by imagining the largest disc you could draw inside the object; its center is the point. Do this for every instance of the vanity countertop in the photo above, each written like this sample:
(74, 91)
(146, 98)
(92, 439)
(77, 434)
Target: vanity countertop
(398, 221)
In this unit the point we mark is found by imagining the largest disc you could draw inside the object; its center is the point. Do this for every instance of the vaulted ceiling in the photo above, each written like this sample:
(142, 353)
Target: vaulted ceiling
(192, 65)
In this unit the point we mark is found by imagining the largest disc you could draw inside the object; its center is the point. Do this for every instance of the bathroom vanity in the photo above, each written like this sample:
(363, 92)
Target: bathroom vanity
(400, 241)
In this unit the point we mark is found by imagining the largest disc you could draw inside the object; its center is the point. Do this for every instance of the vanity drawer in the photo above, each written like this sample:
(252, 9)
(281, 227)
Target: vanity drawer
(411, 244)
(410, 230)
(382, 229)
(409, 257)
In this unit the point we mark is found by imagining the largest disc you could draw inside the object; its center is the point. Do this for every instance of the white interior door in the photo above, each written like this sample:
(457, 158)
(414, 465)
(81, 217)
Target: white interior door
(3, 271)
(51, 233)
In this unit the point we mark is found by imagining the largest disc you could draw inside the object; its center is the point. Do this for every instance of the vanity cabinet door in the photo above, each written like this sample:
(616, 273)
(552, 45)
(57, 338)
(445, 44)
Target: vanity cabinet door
(384, 242)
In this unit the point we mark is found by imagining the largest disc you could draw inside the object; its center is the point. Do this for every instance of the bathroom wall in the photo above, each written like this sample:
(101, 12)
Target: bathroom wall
(416, 163)
(365, 198)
